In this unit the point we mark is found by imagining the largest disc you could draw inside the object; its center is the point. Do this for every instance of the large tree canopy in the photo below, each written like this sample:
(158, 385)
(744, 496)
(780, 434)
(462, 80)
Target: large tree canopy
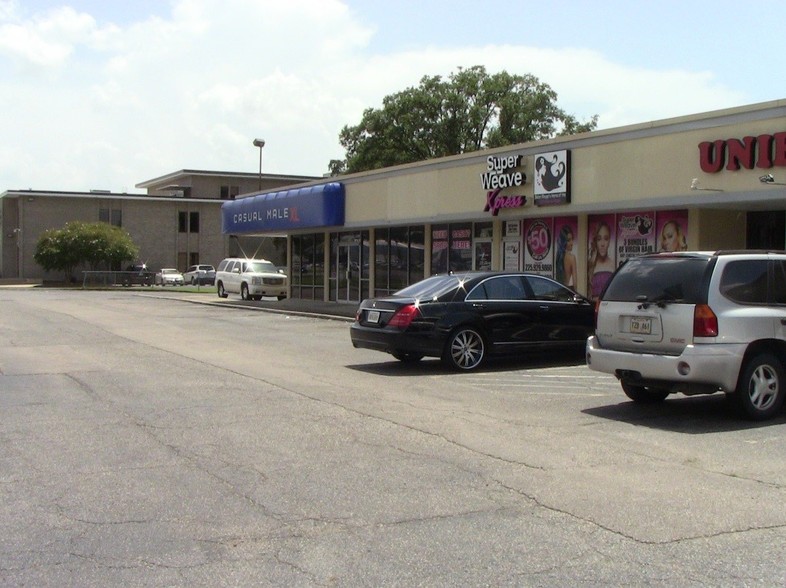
(471, 110)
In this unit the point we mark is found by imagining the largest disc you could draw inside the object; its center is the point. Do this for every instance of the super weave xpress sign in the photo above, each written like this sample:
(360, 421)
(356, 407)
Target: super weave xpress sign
(502, 173)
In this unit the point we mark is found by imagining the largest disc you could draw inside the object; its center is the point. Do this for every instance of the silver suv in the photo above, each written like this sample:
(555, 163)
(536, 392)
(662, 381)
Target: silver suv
(251, 278)
(696, 323)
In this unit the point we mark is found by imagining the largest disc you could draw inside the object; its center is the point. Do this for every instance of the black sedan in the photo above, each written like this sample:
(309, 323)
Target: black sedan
(463, 318)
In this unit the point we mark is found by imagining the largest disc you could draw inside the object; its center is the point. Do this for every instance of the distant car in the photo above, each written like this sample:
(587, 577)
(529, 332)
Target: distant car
(137, 274)
(251, 278)
(464, 318)
(200, 274)
(169, 277)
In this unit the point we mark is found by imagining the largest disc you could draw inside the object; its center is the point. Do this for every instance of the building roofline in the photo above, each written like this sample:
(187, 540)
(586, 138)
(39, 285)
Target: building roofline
(173, 176)
(100, 194)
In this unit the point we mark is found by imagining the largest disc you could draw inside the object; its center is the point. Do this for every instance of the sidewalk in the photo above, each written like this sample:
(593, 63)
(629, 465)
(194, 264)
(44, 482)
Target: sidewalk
(334, 310)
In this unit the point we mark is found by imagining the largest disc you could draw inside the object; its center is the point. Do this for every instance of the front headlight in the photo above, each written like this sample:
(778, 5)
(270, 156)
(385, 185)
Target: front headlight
(256, 281)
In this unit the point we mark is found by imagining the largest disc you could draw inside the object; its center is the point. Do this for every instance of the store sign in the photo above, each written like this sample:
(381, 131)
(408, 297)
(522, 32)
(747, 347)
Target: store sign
(762, 151)
(502, 173)
(552, 178)
(298, 208)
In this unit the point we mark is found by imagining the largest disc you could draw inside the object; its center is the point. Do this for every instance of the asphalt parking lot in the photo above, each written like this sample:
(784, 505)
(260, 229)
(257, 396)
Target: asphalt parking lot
(149, 440)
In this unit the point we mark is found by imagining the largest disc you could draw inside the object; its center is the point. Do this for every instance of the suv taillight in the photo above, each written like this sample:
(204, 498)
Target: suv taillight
(705, 323)
(597, 308)
(404, 316)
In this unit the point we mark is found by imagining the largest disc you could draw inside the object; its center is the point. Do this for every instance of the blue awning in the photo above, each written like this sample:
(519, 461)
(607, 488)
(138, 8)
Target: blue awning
(298, 208)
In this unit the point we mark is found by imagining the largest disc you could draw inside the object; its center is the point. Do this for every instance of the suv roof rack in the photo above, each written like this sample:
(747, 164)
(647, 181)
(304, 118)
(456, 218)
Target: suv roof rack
(749, 251)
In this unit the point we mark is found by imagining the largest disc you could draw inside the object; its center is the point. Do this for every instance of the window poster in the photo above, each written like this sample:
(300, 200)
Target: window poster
(512, 255)
(565, 250)
(483, 255)
(635, 234)
(512, 229)
(600, 252)
(672, 231)
(539, 250)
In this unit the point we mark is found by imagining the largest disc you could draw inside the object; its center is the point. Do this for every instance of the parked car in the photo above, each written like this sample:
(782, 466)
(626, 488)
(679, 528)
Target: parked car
(251, 278)
(464, 318)
(696, 323)
(137, 274)
(169, 277)
(200, 274)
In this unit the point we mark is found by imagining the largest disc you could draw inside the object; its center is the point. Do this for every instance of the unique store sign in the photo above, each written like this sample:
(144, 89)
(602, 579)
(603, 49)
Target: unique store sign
(502, 173)
(552, 178)
(763, 151)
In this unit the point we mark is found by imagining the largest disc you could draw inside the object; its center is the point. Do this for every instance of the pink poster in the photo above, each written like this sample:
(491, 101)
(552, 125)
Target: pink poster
(565, 232)
(600, 252)
(539, 250)
(673, 230)
(635, 234)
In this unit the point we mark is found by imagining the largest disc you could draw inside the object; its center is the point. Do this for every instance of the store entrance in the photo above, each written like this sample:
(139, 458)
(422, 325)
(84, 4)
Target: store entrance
(348, 273)
(766, 230)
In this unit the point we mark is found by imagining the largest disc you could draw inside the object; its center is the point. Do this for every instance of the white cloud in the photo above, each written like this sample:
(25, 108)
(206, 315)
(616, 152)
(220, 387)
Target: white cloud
(111, 106)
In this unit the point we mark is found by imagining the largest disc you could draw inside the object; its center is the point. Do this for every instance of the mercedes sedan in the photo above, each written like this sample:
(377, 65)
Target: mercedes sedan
(464, 318)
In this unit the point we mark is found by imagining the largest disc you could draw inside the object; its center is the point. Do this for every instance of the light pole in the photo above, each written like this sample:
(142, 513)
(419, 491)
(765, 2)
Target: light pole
(260, 143)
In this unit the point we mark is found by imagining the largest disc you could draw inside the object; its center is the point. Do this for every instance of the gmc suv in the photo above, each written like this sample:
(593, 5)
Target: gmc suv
(696, 323)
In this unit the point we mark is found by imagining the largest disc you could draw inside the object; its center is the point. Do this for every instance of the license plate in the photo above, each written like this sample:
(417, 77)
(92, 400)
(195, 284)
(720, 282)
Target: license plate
(372, 316)
(640, 325)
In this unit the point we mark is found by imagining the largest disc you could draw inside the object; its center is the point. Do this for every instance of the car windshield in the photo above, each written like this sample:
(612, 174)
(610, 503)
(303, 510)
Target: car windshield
(261, 267)
(430, 288)
(168, 271)
(661, 279)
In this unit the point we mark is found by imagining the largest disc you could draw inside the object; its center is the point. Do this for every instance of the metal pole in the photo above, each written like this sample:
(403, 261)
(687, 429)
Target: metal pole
(260, 143)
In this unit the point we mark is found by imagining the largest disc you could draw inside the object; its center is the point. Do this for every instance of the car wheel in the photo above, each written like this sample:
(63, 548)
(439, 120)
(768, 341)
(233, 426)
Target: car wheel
(644, 394)
(244, 292)
(759, 395)
(193, 281)
(221, 292)
(407, 357)
(465, 349)
(282, 297)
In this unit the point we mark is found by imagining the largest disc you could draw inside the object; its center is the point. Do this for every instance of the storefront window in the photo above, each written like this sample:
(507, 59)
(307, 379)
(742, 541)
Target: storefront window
(308, 268)
(398, 258)
(451, 248)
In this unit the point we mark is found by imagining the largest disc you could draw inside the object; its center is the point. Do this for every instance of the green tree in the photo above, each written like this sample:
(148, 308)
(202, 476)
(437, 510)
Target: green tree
(79, 243)
(471, 110)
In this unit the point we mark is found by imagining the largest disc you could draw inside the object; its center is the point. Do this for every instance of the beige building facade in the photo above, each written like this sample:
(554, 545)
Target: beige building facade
(573, 207)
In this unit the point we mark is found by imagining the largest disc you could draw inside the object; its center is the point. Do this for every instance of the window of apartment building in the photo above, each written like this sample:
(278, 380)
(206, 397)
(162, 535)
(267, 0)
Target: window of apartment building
(187, 222)
(229, 192)
(112, 216)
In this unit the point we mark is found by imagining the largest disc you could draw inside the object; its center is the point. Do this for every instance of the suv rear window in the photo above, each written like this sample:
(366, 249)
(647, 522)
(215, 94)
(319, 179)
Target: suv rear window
(677, 279)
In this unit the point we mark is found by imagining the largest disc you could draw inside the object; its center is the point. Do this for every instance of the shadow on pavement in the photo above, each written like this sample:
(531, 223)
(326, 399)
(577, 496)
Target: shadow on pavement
(694, 415)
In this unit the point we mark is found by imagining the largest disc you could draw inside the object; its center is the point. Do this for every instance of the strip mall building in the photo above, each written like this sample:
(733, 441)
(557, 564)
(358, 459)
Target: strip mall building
(572, 208)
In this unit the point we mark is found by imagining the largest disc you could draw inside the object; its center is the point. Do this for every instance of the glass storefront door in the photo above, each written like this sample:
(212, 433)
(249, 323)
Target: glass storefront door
(348, 265)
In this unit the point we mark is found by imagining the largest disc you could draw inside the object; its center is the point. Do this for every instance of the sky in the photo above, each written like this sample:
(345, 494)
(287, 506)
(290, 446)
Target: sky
(105, 94)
